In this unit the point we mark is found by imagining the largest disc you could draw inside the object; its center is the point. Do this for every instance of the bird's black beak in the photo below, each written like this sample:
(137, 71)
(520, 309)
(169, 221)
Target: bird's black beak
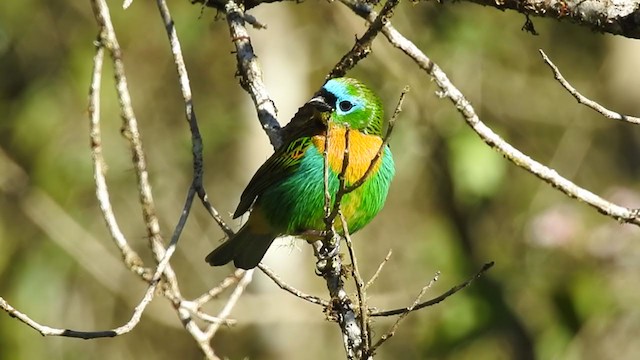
(320, 103)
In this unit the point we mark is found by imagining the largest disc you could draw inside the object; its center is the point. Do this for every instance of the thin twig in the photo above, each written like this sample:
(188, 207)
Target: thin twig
(583, 99)
(203, 338)
(378, 271)
(284, 286)
(438, 299)
(355, 336)
(217, 290)
(213, 212)
(329, 266)
(383, 146)
(325, 172)
(108, 40)
(131, 258)
(362, 47)
(233, 299)
(360, 288)
(394, 327)
(190, 113)
(127, 327)
(341, 178)
(343, 188)
(130, 131)
(49, 331)
(215, 320)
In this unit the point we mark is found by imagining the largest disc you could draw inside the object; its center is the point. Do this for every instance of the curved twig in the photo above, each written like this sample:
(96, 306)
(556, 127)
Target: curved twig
(435, 300)
(290, 289)
(583, 99)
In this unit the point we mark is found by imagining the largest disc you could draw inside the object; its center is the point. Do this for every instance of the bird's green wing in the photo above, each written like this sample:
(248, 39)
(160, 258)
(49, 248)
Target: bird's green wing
(279, 166)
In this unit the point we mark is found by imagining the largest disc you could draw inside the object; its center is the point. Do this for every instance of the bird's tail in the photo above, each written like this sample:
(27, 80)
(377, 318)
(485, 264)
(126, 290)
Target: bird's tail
(246, 248)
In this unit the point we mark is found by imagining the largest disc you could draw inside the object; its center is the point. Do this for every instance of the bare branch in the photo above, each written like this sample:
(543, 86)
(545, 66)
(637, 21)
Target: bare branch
(200, 336)
(190, 113)
(329, 266)
(362, 47)
(284, 286)
(584, 100)
(614, 17)
(344, 189)
(487, 135)
(360, 288)
(131, 259)
(378, 271)
(217, 290)
(621, 17)
(213, 212)
(130, 131)
(127, 327)
(203, 338)
(233, 299)
(384, 144)
(325, 170)
(46, 330)
(438, 299)
(396, 324)
(251, 74)
(247, 4)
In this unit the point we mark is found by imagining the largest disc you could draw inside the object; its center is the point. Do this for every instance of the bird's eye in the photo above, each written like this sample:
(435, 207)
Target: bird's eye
(345, 105)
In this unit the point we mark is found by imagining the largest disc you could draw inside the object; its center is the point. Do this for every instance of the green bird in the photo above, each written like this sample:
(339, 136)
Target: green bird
(286, 194)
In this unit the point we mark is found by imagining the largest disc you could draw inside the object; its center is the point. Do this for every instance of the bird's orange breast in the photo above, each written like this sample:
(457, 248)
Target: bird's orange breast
(362, 149)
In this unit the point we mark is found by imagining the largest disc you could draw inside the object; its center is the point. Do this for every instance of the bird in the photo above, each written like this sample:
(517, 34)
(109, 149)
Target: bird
(286, 195)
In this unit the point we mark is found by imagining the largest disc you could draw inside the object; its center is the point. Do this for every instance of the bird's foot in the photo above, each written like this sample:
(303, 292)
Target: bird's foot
(324, 252)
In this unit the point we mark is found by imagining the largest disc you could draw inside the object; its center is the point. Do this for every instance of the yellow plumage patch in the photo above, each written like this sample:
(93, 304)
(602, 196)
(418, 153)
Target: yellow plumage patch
(362, 149)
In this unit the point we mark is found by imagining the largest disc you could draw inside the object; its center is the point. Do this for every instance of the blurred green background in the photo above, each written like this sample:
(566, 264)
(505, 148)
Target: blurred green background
(565, 283)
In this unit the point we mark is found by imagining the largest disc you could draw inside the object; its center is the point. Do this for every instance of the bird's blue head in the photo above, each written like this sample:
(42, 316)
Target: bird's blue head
(351, 104)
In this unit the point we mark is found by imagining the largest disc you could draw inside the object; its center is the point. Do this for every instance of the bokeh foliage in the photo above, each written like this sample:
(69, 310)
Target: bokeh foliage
(565, 280)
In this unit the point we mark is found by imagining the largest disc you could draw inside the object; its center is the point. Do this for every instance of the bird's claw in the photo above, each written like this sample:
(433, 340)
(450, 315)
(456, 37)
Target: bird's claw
(326, 252)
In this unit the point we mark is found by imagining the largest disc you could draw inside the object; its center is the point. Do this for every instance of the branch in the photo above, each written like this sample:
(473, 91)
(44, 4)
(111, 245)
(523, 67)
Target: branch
(329, 266)
(438, 299)
(378, 271)
(233, 299)
(108, 39)
(290, 289)
(396, 324)
(217, 290)
(448, 90)
(360, 287)
(584, 100)
(203, 338)
(362, 47)
(385, 141)
(127, 327)
(617, 17)
(251, 74)
(247, 4)
(131, 259)
(190, 113)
